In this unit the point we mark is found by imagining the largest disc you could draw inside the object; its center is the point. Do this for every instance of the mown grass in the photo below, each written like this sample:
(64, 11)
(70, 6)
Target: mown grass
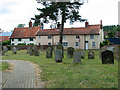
(89, 74)
(4, 65)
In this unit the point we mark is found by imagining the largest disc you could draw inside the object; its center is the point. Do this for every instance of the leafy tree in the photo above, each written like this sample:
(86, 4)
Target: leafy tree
(20, 25)
(60, 10)
(111, 34)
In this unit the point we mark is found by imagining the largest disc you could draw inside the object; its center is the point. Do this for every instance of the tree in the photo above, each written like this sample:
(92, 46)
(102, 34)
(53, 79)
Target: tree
(20, 25)
(60, 10)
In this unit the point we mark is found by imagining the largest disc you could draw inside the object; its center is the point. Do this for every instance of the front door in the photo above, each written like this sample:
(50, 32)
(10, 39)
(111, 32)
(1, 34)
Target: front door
(86, 45)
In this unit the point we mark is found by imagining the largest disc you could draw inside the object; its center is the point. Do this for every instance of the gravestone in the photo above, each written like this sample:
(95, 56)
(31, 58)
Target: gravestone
(58, 56)
(28, 49)
(82, 54)
(77, 57)
(70, 51)
(49, 52)
(116, 52)
(14, 50)
(60, 47)
(91, 55)
(5, 49)
(18, 48)
(35, 50)
(107, 57)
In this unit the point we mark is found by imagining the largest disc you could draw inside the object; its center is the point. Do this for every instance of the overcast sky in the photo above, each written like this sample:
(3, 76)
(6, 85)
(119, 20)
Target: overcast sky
(14, 12)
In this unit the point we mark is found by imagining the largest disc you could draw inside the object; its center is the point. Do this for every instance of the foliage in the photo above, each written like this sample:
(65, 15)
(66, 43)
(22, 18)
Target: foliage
(20, 25)
(112, 28)
(101, 44)
(106, 42)
(4, 65)
(88, 74)
(31, 44)
(7, 42)
(111, 34)
(54, 10)
(21, 44)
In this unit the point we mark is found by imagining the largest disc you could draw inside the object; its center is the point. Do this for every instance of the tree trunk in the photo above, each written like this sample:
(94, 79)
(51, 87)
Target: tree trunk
(62, 26)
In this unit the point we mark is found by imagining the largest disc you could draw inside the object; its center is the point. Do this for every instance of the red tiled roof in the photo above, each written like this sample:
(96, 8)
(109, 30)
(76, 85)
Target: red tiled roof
(4, 38)
(92, 29)
(25, 32)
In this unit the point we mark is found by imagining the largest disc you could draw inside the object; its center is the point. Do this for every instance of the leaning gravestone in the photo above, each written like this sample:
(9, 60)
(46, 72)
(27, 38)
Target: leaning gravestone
(77, 57)
(58, 56)
(60, 47)
(70, 51)
(107, 57)
(14, 50)
(91, 55)
(35, 50)
(49, 52)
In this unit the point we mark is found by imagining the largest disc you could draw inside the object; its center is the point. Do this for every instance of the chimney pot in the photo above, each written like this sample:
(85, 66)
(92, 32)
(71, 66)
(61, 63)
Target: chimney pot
(86, 24)
(101, 26)
(30, 24)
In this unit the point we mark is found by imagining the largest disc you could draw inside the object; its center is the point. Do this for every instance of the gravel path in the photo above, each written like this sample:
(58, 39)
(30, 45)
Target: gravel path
(23, 75)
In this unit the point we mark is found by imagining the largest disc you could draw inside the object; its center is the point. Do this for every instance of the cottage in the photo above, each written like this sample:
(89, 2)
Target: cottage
(88, 37)
(24, 35)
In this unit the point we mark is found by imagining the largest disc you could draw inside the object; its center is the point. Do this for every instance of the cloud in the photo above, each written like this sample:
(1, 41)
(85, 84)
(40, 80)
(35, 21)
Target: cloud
(5, 7)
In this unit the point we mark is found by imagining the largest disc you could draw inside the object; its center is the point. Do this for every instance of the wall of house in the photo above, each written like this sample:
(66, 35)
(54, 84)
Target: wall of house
(96, 40)
(26, 40)
(71, 39)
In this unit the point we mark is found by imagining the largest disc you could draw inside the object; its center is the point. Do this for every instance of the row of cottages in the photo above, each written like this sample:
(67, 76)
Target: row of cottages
(88, 37)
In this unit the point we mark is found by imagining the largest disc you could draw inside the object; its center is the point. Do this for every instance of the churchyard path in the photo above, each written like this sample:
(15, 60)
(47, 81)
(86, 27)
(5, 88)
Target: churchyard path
(22, 76)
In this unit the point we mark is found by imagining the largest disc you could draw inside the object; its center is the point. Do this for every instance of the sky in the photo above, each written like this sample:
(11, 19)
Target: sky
(14, 12)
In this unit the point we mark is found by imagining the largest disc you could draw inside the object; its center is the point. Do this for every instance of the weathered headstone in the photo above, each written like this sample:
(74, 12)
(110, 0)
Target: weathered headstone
(116, 52)
(36, 51)
(60, 47)
(82, 54)
(28, 49)
(5, 49)
(107, 57)
(91, 55)
(14, 50)
(77, 57)
(58, 56)
(49, 52)
(70, 51)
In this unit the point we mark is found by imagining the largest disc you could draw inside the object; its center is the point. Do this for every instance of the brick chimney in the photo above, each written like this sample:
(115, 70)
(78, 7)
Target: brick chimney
(86, 24)
(30, 24)
(101, 26)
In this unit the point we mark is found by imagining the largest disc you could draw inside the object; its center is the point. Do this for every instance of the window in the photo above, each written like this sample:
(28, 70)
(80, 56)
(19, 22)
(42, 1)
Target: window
(12, 43)
(39, 43)
(12, 39)
(31, 39)
(93, 44)
(39, 37)
(19, 39)
(49, 37)
(65, 44)
(77, 37)
(49, 43)
(76, 44)
(92, 36)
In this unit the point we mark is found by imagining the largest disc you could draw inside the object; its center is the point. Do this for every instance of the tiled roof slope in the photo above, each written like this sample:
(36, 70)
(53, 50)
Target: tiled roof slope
(92, 29)
(25, 32)
(4, 38)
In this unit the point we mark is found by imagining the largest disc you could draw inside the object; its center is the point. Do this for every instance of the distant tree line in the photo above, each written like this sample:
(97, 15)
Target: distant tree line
(112, 28)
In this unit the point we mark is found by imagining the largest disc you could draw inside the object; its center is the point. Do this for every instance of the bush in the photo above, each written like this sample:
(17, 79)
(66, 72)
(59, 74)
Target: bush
(21, 44)
(31, 44)
(101, 44)
(106, 42)
(6, 42)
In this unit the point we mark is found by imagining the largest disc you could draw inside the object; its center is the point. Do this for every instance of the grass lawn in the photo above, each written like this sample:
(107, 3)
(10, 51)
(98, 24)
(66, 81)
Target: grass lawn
(89, 74)
(4, 66)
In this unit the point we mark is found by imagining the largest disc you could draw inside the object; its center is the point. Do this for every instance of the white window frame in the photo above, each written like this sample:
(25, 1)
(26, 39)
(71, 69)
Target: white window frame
(92, 36)
(49, 36)
(93, 44)
(65, 45)
(76, 44)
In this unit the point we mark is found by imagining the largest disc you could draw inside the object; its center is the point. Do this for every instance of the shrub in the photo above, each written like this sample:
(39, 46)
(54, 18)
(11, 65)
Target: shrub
(106, 42)
(31, 44)
(101, 44)
(6, 42)
(21, 44)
